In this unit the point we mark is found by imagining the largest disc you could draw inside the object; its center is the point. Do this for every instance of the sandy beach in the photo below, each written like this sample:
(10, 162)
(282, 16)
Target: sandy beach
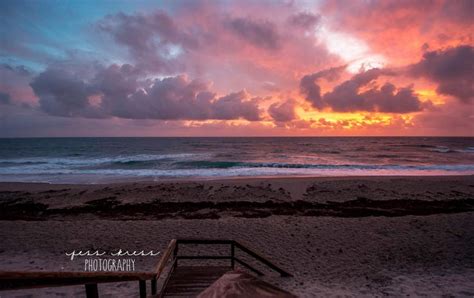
(355, 236)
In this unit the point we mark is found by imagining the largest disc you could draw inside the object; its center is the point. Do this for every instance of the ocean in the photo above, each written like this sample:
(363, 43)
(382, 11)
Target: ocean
(101, 160)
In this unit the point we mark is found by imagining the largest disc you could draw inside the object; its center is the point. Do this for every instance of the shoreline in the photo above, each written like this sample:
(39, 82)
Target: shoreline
(236, 178)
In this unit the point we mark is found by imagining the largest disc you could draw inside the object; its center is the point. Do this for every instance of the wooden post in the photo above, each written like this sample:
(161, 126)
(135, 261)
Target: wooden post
(232, 255)
(142, 284)
(92, 291)
(153, 286)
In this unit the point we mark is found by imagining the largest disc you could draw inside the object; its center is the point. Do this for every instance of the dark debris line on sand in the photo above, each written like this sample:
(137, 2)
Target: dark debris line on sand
(360, 197)
(111, 208)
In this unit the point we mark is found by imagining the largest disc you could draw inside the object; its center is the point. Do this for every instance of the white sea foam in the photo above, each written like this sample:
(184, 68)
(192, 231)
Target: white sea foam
(87, 176)
(100, 160)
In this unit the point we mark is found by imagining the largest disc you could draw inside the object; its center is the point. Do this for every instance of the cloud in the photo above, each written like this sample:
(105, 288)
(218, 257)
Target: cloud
(153, 40)
(62, 93)
(348, 96)
(5, 98)
(397, 28)
(283, 112)
(312, 91)
(19, 69)
(459, 11)
(119, 91)
(227, 107)
(451, 118)
(386, 99)
(263, 48)
(262, 34)
(234, 45)
(14, 82)
(407, 13)
(304, 20)
(452, 69)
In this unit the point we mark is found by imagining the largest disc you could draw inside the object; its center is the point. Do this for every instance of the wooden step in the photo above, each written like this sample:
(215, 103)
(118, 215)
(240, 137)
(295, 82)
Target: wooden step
(189, 281)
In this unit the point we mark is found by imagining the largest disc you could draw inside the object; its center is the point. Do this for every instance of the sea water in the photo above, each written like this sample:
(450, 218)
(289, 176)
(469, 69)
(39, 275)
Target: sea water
(96, 160)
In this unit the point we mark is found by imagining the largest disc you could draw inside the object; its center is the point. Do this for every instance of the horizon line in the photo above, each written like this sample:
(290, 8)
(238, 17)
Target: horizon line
(284, 136)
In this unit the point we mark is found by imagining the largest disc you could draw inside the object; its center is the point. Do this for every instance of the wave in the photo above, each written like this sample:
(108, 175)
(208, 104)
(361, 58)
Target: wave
(126, 159)
(203, 164)
(96, 176)
(16, 163)
(444, 149)
(415, 145)
(466, 150)
(205, 169)
(192, 161)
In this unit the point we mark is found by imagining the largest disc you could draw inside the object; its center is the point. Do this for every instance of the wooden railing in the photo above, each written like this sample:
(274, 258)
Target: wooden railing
(233, 259)
(13, 280)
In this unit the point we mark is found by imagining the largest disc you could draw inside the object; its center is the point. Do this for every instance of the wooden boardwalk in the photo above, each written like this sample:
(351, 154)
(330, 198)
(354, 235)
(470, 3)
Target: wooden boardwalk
(179, 280)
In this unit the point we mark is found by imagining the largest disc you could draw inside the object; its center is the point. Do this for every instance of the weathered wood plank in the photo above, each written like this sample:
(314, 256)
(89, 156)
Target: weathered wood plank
(165, 258)
(27, 280)
(191, 280)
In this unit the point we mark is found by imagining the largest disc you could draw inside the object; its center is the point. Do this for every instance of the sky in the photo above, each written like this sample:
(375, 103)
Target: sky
(236, 68)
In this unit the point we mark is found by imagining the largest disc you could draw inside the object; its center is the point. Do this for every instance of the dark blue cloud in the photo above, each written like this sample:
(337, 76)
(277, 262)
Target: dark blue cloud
(260, 33)
(283, 112)
(118, 91)
(452, 69)
(348, 97)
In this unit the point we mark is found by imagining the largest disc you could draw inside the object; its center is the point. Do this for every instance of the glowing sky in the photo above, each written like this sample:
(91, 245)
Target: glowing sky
(236, 68)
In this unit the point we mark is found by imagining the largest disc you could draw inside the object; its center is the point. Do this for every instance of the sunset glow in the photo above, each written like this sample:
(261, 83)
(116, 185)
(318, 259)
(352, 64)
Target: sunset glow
(233, 68)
